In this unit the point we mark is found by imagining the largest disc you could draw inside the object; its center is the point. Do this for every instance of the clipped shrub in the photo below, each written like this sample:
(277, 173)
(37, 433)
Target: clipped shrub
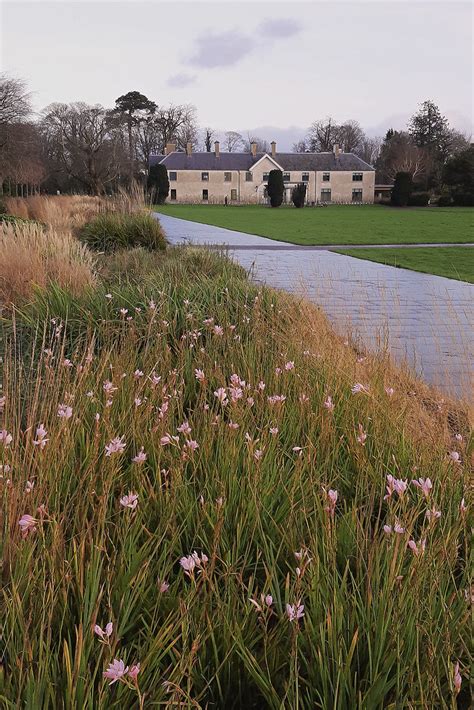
(158, 184)
(419, 199)
(298, 195)
(402, 189)
(275, 187)
(113, 231)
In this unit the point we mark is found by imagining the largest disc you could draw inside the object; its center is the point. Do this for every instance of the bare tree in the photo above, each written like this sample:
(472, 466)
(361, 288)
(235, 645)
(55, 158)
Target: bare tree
(15, 103)
(262, 144)
(300, 146)
(369, 150)
(83, 139)
(322, 135)
(178, 124)
(399, 153)
(233, 141)
(208, 136)
(351, 136)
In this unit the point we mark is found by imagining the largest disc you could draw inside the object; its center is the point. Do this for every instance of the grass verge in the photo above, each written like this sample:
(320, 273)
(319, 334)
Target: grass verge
(452, 262)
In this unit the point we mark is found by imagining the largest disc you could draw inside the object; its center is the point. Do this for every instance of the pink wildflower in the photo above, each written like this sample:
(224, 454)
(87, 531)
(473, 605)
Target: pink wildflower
(328, 403)
(140, 457)
(462, 506)
(273, 430)
(417, 549)
(199, 375)
(116, 671)
(184, 428)
(221, 395)
(332, 500)
(295, 611)
(129, 501)
(457, 678)
(362, 436)
(192, 445)
(433, 514)
(137, 374)
(455, 456)
(27, 524)
(64, 412)
(134, 671)
(41, 435)
(289, 365)
(5, 438)
(163, 586)
(358, 387)
(424, 484)
(106, 633)
(116, 446)
(389, 391)
(218, 330)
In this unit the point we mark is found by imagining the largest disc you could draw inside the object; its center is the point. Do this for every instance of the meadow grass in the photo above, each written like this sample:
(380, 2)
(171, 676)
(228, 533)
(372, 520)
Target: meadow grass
(337, 224)
(255, 437)
(452, 262)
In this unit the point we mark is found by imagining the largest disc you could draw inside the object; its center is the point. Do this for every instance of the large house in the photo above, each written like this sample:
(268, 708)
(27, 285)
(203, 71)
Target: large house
(214, 177)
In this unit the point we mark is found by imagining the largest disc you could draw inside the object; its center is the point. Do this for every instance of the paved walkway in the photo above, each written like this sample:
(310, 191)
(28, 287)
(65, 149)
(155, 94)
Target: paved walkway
(426, 320)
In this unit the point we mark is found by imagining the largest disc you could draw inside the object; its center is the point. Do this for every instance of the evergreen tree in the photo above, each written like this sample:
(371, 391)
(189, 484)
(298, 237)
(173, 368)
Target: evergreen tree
(275, 187)
(402, 189)
(131, 108)
(429, 129)
(298, 194)
(158, 183)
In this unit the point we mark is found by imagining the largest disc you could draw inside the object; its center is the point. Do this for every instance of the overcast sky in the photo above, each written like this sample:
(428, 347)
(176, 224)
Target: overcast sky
(249, 65)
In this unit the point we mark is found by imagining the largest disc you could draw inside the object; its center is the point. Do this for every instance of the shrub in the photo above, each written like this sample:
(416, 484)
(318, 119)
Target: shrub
(298, 195)
(419, 199)
(445, 200)
(158, 184)
(402, 188)
(114, 231)
(275, 187)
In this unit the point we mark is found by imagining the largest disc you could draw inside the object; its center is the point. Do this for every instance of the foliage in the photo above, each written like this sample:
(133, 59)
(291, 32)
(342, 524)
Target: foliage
(419, 199)
(275, 187)
(458, 173)
(402, 188)
(113, 231)
(298, 195)
(463, 199)
(158, 183)
(132, 109)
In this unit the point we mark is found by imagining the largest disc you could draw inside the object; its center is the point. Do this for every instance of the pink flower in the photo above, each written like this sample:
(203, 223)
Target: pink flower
(109, 387)
(295, 611)
(192, 445)
(140, 457)
(289, 365)
(332, 500)
(29, 486)
(137, 374)
(221, 395)
(27, 524)
(258, 454)
(184, 428)
(188, 564)
(417, 549)
(155, 379)
(358, 387)
(395, 485)
(424, 484)
(389, 391)
(362, 436)
(116, 446)
(462, 506)
(41, 435)
(123, 311)
(455, 456)
(397, 528)
(266, 601)
(433, 514)
(276, 399)
(233, 425)
(458, 437)
(457, 678)
(218, 330)
(328, 403)
(199, 375)
(163, 585)
(134, 671)
(261, 385)
(116, 671)
(129, 501)
(64, 412)
(273, 430)
(106, 633)
(5, 438)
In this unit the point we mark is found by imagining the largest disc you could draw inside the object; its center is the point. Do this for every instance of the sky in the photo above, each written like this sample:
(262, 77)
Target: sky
(272, 67)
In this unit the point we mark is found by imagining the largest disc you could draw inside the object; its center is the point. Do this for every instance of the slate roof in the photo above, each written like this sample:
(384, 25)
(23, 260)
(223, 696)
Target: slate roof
(244, 161)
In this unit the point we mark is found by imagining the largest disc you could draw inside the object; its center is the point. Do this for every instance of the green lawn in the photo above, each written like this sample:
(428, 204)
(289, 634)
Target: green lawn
(368, 224)
(453, 262)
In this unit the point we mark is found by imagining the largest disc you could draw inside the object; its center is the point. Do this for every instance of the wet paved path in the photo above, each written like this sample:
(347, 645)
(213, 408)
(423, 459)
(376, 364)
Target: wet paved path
(424, 319)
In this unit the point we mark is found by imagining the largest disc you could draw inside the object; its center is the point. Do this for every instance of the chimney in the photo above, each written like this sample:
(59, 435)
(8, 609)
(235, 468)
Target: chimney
(253, 148)
(274, 148)
(170, 148)
(217, 148)
(189, 148)
(337, 151)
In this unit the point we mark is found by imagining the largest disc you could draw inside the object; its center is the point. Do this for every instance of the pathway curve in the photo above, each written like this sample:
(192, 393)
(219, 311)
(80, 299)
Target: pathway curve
(426, 320)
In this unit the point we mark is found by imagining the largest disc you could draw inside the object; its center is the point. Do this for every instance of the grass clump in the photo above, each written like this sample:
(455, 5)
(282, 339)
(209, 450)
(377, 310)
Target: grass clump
(114, 231)
(178, 442)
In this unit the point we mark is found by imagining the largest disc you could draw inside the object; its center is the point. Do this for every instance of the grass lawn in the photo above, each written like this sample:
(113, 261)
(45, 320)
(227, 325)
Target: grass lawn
(344, 224)
(453, 262)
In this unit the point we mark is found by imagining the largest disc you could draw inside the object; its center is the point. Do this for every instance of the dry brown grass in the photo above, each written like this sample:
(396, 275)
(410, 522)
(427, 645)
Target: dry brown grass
(36, 256)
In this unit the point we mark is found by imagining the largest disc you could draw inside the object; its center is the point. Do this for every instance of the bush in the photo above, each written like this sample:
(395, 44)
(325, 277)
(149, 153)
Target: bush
(158, 183)
(463, 199)
(419, 199)
(445, 200)
(113, 231)
(298, 195)
(402, 188)
(275, 187)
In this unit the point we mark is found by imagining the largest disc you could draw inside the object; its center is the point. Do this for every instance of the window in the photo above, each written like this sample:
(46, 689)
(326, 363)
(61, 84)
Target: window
(265, 177)
(305, 177)
(325, 195)
(357, 177)
(248, 176)
(286, 177)
(233, 194)
(326, 177)
(173, 194)
(173, 177)
(204, 176)
(205, 194)
(356, 195)
(227, 177)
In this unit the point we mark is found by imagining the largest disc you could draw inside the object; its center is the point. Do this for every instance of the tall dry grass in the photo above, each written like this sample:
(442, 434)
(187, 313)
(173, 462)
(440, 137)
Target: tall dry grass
(34, 256)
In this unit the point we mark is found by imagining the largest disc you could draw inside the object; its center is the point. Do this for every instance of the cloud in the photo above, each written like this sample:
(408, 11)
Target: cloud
(180, 81)
(279, 28)
(221, 50)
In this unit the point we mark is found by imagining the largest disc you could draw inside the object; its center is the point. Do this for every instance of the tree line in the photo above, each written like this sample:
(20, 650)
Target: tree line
(78, 147)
